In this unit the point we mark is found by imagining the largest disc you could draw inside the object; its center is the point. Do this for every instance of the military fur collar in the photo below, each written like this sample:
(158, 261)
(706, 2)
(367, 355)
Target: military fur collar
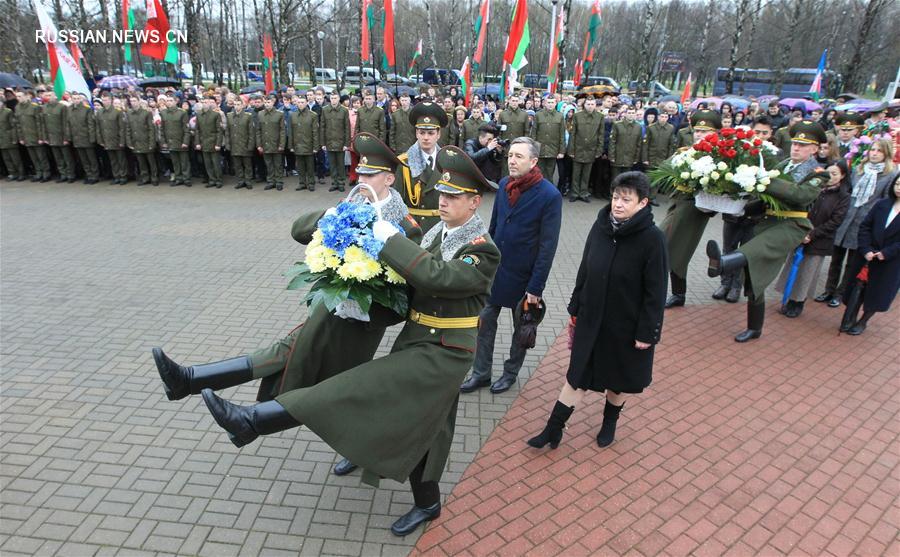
(460, 237)
(415, 158)
(394, 209)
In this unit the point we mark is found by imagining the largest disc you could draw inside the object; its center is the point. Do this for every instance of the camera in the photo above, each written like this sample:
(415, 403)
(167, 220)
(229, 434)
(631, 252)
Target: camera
(503, 142)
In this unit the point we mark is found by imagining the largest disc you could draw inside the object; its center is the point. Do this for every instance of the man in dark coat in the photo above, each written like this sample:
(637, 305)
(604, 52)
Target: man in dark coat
(525, 226)
(395, 416)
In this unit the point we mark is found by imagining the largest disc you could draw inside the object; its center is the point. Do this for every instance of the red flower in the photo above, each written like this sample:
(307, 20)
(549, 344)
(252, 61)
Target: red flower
(740, 134)
(732, 153)
(727, 132)
(749, 133)
(754, 152)
(745, 146)
(757, 142)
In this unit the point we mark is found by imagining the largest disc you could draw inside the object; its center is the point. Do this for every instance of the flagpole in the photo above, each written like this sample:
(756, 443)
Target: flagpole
(552, 44)
(487, 47)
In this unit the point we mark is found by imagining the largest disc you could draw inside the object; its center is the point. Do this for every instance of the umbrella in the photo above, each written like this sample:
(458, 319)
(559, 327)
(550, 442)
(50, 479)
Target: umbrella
(11, 81)
(792, 276)
(858, 105)
(711, 102)
(738, 102)
(484, 91)
(847, 97)
(160, 82)
(803, 104)
(254, 88)
(119, 82)
(672, 98)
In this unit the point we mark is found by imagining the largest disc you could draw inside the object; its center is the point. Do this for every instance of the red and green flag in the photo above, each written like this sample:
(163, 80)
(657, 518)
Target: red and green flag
(128, 25)
(368, 22)
(481, 26)
(268, 59)
(466, 73)
(64, 71)
(519, 37)
(553, 65)
(157, 43)
(686, 92)
(388, 57)
(416, 55)
(590, 38)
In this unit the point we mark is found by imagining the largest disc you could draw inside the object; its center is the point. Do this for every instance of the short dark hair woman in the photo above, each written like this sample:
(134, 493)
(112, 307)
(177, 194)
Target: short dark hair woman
(616, 309)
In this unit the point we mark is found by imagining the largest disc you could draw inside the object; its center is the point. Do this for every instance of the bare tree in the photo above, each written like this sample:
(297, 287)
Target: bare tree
(787, 48)
(855, 71)
(742, 7)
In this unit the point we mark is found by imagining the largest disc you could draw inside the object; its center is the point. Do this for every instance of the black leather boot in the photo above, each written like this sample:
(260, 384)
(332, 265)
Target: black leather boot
(554, 429)
(720, 292)
(720, 263)
(679, 289)
(180, 381)
(407, 523)
(607, 433)
(344, 467)
(245, 423)
(756, 315)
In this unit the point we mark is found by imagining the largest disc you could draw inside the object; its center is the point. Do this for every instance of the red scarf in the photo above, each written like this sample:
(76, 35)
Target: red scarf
(517, 186)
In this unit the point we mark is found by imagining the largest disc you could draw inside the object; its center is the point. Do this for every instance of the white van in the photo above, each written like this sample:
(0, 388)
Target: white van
(326, 74)
(351, 74)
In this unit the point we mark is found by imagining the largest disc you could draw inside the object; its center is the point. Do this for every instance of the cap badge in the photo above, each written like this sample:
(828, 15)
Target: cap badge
(801, 135)
(426, 119)
(445, 177)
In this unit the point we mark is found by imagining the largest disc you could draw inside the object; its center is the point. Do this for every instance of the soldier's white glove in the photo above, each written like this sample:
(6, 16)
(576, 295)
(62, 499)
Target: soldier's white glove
(330, 212)
(349, 309)
(382, 230)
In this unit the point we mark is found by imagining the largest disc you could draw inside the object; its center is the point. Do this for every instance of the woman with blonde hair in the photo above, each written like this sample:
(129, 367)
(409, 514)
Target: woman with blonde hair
(869, 182)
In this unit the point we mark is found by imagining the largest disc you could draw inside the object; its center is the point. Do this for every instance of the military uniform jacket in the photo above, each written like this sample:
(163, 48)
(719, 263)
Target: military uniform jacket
(385, 415)
(82, 127)
(210, 133)
(625, 143)
(469, 130)
(111, 129)
(516, 122)
(55, 117)
(586, 139)
(450, 134)
(270, 133)
(371, 120)
(335, 127)
(415, 181)
(9, 137)
(782, 139)
(402, 133)
(141, 131)
(304, 132)
(30, 123)
(550, 131)
(174, 129)
(241, 136)
(659, 143)
(684, 137)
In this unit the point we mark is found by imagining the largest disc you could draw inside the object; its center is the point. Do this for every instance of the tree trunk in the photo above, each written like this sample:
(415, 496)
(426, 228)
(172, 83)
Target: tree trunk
(855, 71)
(645, 41)
(104, 14)
(787, 48)
(742, 7)
(431, 43)
(704, 38)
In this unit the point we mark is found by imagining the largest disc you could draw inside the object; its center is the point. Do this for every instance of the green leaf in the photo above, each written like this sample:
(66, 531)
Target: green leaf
(362, 296)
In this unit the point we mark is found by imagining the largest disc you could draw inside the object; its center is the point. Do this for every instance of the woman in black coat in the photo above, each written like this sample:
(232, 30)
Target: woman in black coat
(879, 244)
(616, 309)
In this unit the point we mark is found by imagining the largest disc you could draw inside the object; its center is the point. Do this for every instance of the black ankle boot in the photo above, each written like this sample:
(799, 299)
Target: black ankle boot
(607, 433)
(245, 423)
(756, 315)
(719, 263)
(180, 381)
(679, 290)
(553, 431)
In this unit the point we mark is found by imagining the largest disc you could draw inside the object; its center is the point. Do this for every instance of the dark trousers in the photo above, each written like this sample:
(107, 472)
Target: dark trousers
(147, 169)
(181, 166)
(601, 178)
(65, 162)
(89, 164)
(484, 353)
(564, 167)
(836, 283)
(290, 163)
(548, 167)
(39, 160)
(735, 233)
(259, 167)
(425, 494)
(581, 174)
(243, 168)
(13, 162)
(117, 163)
(321, 164)
(274, 169)
(338, 170)
(306, 170)
(213, 167)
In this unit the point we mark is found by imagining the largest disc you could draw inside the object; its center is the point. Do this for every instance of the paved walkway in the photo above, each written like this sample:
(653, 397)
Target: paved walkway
(786, 445)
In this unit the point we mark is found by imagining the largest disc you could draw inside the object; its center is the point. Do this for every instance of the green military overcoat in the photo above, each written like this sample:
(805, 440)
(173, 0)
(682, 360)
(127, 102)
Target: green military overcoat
(270, 132)
(684, 137)
(241, 136)
(403, 133)
(625, 144)
(141, 131)
(304, 138)
(659, 143)
(335, 127)
(55, 115)
(210, 133)
(469, 130)
(174, 129)
(82, 128)
(371, 120)
(30, 123)
(9, 138)
(111, 130)
(586, 138)
(516, 122)
(550, 131)
(387, 414)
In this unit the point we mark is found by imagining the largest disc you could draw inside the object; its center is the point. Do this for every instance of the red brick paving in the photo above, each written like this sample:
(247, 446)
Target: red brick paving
(787, 445)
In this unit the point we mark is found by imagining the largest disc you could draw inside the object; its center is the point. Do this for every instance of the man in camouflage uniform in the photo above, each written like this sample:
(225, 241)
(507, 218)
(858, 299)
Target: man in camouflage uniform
(550, 131)
(304, 141)
(55, 115)
(336, 140)
(176, 137)
(32, 135)
(241, 139)
(209, 140)
(82, 130)
(270, 143)
(141, 139)
(111, 134)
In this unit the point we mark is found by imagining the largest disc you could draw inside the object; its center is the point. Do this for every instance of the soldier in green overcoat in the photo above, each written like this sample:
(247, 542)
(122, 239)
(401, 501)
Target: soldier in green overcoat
(32, 135)
(402, 132)
(176, 137)
(304, 141)
(513, 123)
(111, 135)
(659, 141)
(241, 139)
(684, 223)
(82, 129)
(780, 231)
(9, 145)
(56, 122)
(550, 131)
(684, 137)
(335, 122)
(585, 146)
(625, 142)
(141, 139)
(395, 416)
(370, 118)
(471, 126)
(209, 139)
(271, 138)
(416, 176)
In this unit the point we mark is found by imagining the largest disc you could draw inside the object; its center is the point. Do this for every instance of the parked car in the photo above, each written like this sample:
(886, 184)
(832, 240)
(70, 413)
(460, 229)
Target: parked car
(655, 90)
(534, 81)
(441, 76)
(325, 74)
(351, 74)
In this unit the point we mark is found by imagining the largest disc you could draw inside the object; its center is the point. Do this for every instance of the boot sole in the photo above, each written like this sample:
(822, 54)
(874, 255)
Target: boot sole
(715, 255)
(237, 439)
(160, 364)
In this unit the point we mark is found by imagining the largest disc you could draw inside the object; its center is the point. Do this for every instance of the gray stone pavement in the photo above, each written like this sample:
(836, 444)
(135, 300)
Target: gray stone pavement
(95, 461)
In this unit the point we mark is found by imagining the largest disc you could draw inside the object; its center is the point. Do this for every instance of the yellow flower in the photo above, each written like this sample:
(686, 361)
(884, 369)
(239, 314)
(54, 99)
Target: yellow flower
(315, 258)
(332, 259)
(359, 270)
(393, 276)
(316, 238)
(354, 254)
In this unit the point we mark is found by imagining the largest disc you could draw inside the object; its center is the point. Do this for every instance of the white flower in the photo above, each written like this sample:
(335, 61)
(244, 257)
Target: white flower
(765, 181)
(774, 173)
(761, 188)
(714, 175)
(685, 175)
(704, 181)
(722, 166)
(729, 176)
(748, 187)
(703, 166)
